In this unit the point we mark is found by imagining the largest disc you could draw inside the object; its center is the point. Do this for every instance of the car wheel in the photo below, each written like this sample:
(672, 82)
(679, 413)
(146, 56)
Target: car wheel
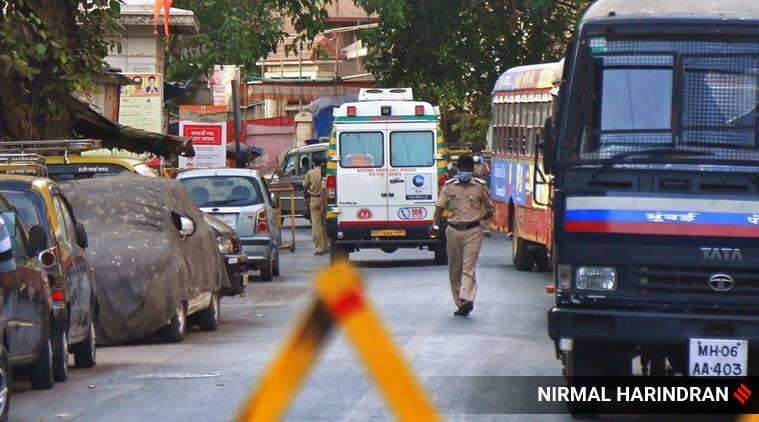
(85, 354)
(5, 384)
(175, 330)
(208, 319)
(275, 268)
(60, 355)
(267, 272)
(41, 371)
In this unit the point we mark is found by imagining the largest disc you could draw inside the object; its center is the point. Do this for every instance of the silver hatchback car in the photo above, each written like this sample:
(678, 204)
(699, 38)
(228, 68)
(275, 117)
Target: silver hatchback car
(240, 198)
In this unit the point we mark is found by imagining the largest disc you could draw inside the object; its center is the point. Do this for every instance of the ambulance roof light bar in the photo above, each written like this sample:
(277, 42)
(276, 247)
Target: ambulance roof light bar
(385, 94)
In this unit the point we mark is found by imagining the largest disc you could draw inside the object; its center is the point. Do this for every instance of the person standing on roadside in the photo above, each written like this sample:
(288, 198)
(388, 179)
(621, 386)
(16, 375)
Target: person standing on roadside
(314, 193)
(468, 201)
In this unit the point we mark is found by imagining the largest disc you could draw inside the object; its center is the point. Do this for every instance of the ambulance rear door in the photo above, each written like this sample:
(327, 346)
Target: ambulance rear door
(412, 176)
(361, 174)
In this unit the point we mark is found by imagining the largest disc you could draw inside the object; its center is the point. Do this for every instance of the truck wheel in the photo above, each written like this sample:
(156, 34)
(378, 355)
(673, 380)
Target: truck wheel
(441, 255)
(337, 254)
(541, 260)
(208, 319)
(60, 355)
(85, 355)
(41, 371)
(175, 330)
(520, 256)
(593, 360)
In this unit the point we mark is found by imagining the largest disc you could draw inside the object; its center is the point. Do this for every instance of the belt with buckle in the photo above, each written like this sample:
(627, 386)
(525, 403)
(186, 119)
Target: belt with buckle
(464, 226)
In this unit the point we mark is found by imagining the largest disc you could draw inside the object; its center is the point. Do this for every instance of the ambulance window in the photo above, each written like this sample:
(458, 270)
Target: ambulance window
(361, 149)
(412, 149)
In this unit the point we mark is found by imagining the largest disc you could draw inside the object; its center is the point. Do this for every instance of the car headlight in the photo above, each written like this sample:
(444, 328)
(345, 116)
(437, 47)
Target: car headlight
(596, 278)
(225, 245)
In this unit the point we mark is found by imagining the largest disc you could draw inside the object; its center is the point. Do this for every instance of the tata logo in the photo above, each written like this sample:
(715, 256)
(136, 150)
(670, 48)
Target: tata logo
(721, 283)
(418, 181)
(723, 254)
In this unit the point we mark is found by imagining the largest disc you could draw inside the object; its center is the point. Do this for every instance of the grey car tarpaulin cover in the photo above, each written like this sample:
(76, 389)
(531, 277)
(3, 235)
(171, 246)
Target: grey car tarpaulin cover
(143, 267)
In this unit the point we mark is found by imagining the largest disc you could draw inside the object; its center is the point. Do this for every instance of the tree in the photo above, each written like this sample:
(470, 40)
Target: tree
(242, 32)
(451, 53)
(48, 50)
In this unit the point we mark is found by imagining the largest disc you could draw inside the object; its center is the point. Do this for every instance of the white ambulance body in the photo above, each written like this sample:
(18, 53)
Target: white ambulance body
(386, 165)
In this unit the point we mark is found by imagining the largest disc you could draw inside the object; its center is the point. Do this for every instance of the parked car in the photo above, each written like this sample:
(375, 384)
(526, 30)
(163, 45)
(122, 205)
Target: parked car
(157, 262)
(240, 198)
(230, 247)
(39, 201)
(28, 310)
(292, 170)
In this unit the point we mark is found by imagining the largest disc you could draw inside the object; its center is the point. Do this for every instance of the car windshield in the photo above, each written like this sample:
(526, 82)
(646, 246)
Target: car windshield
(644, 98)
(30, 208)
(216, 191)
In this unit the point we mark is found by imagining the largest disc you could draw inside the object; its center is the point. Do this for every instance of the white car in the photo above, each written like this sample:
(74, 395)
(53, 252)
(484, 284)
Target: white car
(241, 199)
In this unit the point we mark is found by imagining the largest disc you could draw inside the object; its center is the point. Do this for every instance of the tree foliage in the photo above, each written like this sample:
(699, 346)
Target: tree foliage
(48, 50)
(451, 53)
(242, 32)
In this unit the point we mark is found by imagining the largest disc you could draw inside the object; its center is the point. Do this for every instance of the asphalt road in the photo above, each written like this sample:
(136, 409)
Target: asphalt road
(209, 375)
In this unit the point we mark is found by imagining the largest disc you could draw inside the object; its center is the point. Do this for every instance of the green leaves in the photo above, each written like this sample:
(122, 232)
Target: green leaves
(49, 48)
(451, 53)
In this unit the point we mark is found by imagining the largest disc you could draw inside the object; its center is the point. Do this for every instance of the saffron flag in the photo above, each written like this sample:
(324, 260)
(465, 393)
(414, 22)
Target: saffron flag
(166, 6)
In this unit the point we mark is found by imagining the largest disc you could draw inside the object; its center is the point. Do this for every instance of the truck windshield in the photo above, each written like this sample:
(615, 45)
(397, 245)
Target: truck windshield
(667, 100)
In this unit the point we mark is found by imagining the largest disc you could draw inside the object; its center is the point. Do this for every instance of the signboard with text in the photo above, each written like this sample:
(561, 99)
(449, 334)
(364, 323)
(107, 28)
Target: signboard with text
(209, 140)
(141, 103)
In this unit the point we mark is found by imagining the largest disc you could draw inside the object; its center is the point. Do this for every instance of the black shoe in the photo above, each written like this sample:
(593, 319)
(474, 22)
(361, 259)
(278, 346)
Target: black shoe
(465, 308)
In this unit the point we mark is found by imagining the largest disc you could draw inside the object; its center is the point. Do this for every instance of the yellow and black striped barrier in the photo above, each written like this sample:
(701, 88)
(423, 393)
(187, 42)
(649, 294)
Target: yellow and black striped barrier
(340, 299)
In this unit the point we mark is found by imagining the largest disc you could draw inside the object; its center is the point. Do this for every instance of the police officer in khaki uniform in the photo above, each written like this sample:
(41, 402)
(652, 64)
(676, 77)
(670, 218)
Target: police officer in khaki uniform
(315, 197)
(468, 201)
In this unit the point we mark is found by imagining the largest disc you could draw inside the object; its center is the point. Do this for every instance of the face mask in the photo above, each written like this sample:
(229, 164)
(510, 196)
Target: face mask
(465, 176)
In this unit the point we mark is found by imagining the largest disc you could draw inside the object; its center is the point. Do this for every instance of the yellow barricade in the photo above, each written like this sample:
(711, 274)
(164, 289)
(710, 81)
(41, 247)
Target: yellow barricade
(340, 300)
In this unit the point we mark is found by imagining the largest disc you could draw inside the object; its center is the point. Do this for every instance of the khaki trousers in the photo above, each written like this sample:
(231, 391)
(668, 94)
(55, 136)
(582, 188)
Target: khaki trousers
(318, 225)
(463, 249)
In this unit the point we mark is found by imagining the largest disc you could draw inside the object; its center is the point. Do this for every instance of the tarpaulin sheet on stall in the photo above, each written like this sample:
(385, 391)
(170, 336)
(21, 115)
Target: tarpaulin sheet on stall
(143, 268)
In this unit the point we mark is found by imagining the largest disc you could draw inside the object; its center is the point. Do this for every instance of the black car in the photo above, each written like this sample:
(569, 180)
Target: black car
(230, 247)
(28, 310)
(39, 201)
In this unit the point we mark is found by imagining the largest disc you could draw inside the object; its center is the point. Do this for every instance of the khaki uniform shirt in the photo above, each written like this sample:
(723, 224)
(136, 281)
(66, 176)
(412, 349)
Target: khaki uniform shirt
(312, 182)
(467, 202)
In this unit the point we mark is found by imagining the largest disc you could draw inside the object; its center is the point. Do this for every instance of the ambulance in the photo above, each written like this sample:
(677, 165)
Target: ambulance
(385, 165)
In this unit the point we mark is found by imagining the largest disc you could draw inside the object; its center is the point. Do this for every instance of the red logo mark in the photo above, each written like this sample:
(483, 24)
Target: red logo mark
(742, 394)
(364, 214)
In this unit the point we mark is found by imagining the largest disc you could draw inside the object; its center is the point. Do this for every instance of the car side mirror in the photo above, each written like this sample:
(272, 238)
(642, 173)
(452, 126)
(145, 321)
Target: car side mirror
(186, 226)
(548, 145)
(37, 240)
(274, 200)
(9, 218)
(81, 235)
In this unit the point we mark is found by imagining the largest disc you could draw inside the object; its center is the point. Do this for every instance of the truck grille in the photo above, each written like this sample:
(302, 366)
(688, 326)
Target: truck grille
(682, 280)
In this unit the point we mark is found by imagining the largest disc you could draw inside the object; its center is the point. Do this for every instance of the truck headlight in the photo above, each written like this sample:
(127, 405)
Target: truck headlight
(225, 245)
(596, 278)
